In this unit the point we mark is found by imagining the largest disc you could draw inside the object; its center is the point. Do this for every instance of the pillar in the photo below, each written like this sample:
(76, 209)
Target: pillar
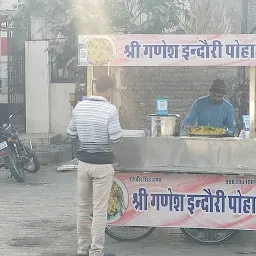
(37, 87)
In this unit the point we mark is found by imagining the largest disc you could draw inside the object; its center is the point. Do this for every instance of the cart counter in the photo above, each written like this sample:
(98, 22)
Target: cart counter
(184, 182)
(187, 154)
(187, 182)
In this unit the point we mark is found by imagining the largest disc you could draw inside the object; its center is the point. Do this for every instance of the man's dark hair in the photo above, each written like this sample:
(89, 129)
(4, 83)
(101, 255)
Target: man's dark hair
(104, 83)
(219, 86)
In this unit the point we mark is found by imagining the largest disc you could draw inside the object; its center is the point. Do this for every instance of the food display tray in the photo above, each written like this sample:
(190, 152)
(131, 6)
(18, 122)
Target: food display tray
(212, 135)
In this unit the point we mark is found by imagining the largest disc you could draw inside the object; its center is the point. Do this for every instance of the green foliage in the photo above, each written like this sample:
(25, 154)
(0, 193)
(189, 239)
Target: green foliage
(145, 16)
(59, 18)
(64, 21)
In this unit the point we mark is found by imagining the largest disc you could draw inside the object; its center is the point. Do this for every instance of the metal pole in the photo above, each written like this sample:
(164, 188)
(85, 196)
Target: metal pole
(252, 102)
(244, 30)
(241, 70)
(245, 11)
(89, 81)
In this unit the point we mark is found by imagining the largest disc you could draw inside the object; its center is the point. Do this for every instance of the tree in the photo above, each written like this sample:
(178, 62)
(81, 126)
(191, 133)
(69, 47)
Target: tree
(213, 20)
(63, 21)
(146, 16)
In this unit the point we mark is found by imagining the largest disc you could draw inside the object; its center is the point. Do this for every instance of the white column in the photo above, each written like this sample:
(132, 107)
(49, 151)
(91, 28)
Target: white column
(252, 102)
(37, 88)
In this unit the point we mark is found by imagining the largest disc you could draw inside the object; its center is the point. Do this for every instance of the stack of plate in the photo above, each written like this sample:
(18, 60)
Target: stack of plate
(134, 133)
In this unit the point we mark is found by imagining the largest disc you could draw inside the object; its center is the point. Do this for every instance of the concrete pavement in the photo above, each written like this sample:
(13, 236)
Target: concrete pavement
(38, 219)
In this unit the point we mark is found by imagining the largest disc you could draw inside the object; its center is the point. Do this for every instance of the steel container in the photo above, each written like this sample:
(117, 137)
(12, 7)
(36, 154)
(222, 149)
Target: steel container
(163, 126)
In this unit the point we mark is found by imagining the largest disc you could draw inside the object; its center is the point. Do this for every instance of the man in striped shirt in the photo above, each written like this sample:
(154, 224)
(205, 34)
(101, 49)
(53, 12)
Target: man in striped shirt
(95, 122)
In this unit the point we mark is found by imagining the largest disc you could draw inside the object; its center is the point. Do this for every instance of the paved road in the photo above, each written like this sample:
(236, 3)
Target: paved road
(38, 219)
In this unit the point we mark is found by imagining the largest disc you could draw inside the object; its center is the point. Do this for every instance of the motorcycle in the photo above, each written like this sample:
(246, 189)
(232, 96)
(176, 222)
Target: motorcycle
(15, 155)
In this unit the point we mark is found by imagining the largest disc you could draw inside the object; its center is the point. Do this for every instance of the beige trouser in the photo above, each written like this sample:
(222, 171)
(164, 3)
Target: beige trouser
(94, 183)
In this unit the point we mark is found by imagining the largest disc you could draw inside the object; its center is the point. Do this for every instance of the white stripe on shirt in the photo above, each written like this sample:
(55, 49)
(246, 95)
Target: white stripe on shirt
(95, 122)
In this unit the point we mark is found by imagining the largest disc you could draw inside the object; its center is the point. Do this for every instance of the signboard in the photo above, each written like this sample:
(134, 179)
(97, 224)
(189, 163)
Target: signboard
(246, 122)
(183, 200)
(83, 56)
(167, 50)
(162, 107)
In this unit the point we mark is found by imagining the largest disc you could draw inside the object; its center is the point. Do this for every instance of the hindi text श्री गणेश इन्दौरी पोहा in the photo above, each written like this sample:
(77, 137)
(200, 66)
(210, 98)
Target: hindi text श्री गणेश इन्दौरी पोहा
(204, 50)
(208, 202)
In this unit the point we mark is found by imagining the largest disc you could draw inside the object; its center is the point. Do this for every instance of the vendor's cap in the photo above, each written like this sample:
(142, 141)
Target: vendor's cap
(219, 86)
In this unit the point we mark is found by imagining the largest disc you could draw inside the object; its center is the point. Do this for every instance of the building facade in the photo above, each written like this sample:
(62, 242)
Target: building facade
(139, 86)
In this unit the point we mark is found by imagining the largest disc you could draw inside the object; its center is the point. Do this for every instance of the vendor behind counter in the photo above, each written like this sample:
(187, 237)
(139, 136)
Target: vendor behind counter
(212, 110)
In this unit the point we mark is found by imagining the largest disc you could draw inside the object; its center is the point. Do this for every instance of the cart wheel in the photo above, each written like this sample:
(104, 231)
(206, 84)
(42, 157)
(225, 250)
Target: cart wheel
(129, 234)
(209, 236)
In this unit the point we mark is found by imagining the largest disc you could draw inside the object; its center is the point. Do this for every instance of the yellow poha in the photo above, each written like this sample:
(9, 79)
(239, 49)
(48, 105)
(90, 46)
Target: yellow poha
(100, 51)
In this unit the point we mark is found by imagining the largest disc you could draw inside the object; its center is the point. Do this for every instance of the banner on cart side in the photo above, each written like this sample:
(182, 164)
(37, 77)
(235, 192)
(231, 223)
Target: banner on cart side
(167, 50)
(183, 200)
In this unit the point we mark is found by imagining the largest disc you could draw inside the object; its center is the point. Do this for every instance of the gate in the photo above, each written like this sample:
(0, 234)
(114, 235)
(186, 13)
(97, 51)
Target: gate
(16, 77)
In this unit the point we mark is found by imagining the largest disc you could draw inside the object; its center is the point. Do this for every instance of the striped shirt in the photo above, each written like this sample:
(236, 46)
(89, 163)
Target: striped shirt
(95, 122)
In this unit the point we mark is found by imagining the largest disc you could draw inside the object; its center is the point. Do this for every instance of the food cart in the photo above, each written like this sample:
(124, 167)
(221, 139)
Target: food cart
(205, 186)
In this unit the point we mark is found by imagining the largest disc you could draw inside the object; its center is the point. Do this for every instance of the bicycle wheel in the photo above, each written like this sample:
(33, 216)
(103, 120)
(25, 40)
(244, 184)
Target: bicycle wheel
(209, 236)
(129, 234)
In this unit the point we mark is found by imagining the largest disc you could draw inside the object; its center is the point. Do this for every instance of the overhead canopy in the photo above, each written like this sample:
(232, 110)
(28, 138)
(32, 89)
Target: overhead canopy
(167, 50)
